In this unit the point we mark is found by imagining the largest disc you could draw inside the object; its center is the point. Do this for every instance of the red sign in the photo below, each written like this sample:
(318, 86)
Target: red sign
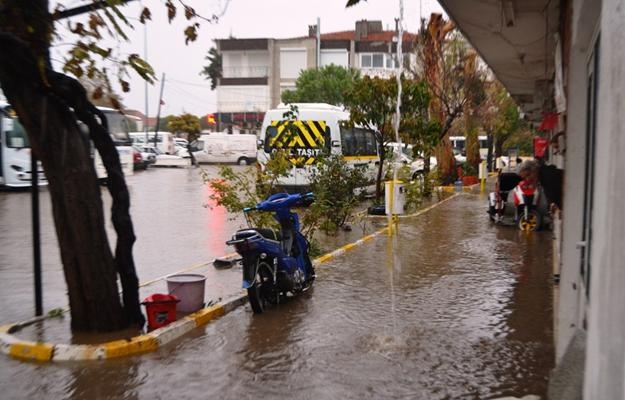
(540, 147)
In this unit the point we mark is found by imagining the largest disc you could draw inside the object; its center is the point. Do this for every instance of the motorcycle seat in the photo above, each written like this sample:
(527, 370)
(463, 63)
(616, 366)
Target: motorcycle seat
(264, 232)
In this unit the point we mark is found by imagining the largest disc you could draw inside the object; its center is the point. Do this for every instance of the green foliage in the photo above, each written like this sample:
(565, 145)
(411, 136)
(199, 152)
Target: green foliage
(236, 190)
(213, 71)
(185, 123)
(523, 139)
(416, 126)
(335, 185)
(372, 103)
(468, 169)
(324, 85)
(333, 182)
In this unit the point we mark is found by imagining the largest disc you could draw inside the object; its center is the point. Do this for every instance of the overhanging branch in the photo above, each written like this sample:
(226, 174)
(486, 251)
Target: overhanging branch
(98, 5)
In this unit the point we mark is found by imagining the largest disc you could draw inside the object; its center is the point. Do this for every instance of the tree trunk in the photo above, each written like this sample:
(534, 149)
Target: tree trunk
(489, 155)
(42, 100)
(472, 142)
(446, 163)
(378, 181)
(193, 160)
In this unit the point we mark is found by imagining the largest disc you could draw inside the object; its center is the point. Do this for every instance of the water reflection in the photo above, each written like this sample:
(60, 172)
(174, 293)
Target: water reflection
(453, 308)
(119, 379)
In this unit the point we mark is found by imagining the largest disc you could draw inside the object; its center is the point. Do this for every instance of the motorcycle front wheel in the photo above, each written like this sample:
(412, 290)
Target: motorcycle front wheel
(530, 223)
(263, 292)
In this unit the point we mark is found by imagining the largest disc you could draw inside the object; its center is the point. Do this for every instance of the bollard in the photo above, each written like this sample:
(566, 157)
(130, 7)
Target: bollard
(483, 173)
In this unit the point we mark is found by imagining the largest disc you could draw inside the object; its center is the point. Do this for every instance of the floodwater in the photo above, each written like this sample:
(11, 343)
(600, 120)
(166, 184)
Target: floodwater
(174, 226)
(453, 308)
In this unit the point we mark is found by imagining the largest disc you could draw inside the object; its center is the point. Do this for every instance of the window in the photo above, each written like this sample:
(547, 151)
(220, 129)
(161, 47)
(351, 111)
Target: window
(378, 60)
(292, 61)
(335, 56)
(118, 127)
(358, 142)
(15, 136)
(271, 133)
(365, 60)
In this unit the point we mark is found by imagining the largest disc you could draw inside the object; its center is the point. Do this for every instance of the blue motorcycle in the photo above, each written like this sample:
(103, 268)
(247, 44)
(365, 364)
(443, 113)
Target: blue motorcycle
(275, 263)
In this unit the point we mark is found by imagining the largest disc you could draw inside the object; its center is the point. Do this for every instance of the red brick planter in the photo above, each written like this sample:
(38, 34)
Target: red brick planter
(469, 180)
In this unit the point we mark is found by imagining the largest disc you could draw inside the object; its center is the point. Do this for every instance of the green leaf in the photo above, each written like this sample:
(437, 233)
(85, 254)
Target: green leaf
(141, 67)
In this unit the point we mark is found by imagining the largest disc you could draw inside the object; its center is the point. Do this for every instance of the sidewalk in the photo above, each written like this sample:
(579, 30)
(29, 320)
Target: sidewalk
(49, 338)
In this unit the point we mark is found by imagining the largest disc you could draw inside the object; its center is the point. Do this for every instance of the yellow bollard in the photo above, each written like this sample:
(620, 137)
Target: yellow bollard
(483, 173)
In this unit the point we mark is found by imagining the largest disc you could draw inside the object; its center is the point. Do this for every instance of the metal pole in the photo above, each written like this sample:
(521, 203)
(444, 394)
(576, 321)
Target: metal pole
(158, 113)
(34, 184)
(145, 57)
(318, 42)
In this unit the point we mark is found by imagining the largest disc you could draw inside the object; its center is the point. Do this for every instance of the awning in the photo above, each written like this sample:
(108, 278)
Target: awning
(516, 38)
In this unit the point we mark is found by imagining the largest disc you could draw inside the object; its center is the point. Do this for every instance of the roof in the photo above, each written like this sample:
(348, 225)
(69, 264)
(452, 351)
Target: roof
(384, 36)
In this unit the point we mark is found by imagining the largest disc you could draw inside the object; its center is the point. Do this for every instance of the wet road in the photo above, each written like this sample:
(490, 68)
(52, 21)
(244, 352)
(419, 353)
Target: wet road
(455, 308)
(174, 230)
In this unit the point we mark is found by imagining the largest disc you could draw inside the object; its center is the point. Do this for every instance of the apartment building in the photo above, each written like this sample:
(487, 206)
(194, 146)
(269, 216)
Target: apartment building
(255, 72)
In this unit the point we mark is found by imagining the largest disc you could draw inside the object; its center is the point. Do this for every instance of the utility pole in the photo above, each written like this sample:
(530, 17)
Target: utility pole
(318, 42)
(158, 113)
(145, 83)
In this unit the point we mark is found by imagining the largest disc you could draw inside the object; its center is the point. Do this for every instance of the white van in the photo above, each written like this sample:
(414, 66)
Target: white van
(224, 148)
(318, 129)
(459, 142)
(164, 140)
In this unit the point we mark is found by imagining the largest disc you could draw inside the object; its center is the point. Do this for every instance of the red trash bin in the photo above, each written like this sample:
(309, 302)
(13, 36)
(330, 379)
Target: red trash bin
(161, 309)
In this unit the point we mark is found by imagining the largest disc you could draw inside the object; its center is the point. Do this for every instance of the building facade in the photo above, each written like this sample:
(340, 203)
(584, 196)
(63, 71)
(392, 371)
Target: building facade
(255, 72)
(565, 58)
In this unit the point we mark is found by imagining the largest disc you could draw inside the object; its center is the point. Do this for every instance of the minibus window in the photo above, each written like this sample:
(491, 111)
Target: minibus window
(358, 142)
(271, 133)
(16, 137)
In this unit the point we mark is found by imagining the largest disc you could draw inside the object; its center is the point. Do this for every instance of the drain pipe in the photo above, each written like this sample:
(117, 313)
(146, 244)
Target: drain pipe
(393, 219)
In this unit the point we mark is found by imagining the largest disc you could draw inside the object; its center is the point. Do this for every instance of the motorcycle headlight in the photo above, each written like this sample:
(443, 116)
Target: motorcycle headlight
(263, 256)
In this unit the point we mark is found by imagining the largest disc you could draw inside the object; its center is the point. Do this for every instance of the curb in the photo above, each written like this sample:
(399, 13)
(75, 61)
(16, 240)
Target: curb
(47, 352)
(43, 352)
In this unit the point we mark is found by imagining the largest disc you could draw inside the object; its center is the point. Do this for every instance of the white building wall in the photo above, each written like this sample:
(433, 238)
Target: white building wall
(605, 356)
(573, 302)
(243, 98)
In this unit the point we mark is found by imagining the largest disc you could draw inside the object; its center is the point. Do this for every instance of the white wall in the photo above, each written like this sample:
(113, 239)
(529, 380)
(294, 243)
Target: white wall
(573, 302)
(605, 356)
(242, 98)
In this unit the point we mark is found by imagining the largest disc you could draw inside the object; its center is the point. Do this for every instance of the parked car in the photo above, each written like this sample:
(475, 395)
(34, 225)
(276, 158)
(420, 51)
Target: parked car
(163, 159)
(181, 142)
(137, 160)
(147, 157)
(182, 152)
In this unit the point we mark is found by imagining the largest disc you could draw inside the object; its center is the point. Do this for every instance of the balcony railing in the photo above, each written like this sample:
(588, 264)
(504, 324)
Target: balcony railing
(383, 73)
(245, 72)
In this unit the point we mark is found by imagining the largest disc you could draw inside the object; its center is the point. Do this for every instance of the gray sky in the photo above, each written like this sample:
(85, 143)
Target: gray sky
(185, 90)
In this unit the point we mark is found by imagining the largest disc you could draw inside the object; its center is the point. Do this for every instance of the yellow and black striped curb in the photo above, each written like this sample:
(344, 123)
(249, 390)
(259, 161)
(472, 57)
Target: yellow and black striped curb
(44, 352)
(452, 189)
(40, 351)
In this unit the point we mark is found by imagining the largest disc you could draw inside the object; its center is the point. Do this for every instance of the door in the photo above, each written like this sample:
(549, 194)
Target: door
(592, 88)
